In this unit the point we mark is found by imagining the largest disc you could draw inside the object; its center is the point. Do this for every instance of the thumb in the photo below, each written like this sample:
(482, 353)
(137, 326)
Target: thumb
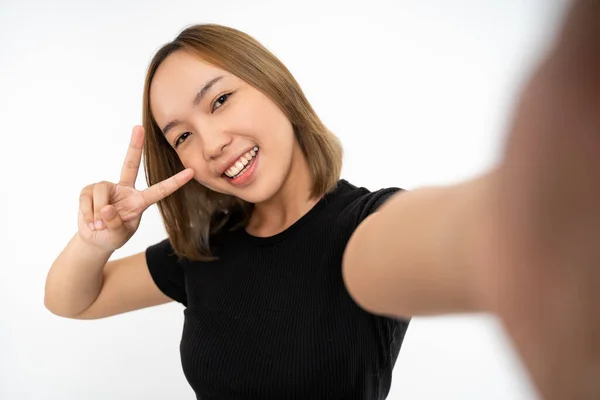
(111, 218)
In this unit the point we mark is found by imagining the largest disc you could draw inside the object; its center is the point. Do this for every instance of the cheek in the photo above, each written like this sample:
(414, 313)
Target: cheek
(246, 122)
(259, 117)
(203, 177)
(191, 159)
(275, 131)
(282, 134)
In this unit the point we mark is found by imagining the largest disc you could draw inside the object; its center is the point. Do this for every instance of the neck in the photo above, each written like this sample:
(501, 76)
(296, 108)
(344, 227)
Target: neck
(291, 202)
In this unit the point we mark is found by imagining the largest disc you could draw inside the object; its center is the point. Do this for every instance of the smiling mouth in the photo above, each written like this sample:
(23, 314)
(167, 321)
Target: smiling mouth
(241, 165)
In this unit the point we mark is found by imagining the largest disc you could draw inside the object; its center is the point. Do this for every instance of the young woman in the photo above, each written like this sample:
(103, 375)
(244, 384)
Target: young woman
(298, 284)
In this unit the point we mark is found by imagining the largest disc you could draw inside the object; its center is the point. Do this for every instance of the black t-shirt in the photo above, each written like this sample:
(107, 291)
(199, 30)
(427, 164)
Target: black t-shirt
(272, 319)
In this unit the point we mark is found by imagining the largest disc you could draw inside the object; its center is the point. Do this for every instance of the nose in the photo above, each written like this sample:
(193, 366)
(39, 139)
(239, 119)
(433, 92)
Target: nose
(215, 142)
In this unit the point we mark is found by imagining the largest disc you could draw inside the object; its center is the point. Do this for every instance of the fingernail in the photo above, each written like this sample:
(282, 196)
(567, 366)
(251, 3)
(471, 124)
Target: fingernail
(91, 226)
(99, 225)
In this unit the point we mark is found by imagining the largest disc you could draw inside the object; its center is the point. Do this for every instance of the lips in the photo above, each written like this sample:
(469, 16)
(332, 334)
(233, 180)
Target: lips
(243, 163)
(230, 162)
(247, 175)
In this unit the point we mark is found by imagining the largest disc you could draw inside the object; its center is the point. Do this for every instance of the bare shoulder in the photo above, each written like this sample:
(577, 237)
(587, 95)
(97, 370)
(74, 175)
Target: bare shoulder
(127, 286)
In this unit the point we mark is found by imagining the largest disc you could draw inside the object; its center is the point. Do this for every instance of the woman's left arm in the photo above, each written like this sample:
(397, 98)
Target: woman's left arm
(414, 256)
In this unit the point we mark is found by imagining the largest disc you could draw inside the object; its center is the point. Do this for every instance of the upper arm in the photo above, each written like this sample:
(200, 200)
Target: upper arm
(363, 255)
(127, 286)
(357, 264)
(409, 258)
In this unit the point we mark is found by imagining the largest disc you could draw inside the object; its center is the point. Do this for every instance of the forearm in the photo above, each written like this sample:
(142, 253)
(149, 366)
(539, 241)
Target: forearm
(415, 255)
(75, 278)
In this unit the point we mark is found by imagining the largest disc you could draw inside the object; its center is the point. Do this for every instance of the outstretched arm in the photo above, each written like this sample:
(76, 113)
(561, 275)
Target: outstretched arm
(414, 256)
(522, 243)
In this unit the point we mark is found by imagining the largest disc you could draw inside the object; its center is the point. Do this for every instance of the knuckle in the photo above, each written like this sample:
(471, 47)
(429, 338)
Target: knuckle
(86, 190)
(162, 189)
(132, 164)
(84, 196)
(101, 189)
(175, 180)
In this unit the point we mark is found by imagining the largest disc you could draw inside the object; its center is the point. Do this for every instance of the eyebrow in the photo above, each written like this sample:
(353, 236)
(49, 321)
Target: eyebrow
(199, 96)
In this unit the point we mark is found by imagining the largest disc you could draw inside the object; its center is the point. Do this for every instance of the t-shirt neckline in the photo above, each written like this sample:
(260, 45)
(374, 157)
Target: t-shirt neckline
(292, 229)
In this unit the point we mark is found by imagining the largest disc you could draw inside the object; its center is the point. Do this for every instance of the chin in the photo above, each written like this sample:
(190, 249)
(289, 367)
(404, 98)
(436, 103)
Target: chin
(259, 191)
(252, 193)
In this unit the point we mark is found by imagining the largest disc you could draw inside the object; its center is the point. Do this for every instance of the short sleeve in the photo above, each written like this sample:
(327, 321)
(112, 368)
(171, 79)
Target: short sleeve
(373, 200)
(167, 271)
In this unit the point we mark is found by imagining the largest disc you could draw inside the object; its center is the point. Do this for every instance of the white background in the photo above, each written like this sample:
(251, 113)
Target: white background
(419, 91)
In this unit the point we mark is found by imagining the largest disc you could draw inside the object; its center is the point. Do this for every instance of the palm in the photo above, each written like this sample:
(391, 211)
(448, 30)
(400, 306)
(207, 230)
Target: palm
(541, 253)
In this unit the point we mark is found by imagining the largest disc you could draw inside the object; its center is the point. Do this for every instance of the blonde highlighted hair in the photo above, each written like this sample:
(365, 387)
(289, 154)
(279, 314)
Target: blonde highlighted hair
(194, 213)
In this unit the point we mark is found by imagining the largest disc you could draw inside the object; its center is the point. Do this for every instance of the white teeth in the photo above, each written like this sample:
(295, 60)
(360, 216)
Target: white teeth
(241, 163)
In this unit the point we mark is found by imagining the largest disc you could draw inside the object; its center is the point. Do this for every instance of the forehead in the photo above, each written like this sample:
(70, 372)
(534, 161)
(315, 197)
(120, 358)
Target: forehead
(177, 80)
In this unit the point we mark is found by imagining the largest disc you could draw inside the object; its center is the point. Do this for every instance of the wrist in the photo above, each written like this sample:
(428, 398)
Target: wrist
(84, 246)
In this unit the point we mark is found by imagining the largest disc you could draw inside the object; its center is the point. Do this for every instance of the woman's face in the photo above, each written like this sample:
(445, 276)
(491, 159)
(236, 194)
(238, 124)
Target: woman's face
(236, 139)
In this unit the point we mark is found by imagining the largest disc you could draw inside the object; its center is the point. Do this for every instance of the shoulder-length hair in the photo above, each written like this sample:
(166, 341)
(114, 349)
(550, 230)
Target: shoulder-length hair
(194, 213)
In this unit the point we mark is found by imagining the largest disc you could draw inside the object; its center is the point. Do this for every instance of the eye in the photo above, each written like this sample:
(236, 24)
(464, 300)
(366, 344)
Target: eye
(220, 101)
(181, 138)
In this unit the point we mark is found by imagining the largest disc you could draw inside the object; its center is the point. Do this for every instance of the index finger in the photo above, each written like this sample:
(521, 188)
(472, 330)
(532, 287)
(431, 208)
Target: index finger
(162, 189)
(133, 158)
